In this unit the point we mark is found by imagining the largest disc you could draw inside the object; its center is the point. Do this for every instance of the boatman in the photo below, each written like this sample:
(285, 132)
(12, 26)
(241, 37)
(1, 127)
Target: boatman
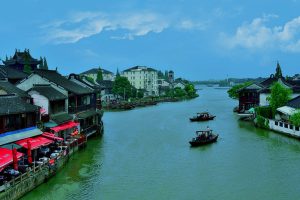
(208, 131)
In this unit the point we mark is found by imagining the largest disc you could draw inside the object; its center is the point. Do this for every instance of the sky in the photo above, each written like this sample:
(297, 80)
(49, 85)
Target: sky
(199, 40)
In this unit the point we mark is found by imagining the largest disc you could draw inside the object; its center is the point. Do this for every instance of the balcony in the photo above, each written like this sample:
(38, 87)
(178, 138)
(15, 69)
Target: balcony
(90, 130)
(76, 109)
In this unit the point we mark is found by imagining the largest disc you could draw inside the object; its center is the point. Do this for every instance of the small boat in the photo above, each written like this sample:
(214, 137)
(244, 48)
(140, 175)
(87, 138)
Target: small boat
(203, 138)
(204, 116)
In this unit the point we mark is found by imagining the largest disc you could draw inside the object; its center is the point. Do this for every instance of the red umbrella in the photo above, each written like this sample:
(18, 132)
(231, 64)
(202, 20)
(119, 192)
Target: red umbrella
(15, 159)
(29, 152)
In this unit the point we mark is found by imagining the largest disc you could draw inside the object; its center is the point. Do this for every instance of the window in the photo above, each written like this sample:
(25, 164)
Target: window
(276, 123)
(297, 128)
(291, 126)
(286, 125)
(281, 124)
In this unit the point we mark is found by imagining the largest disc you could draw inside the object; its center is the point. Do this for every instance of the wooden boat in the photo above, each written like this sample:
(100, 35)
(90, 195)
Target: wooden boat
(203, 138)
(204, 116)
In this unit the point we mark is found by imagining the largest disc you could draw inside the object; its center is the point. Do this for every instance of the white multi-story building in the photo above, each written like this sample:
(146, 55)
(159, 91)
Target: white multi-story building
(144, 78)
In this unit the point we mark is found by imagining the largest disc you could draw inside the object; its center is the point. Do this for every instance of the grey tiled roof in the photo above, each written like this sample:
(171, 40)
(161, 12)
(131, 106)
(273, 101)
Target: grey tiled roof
(12, 89)
(11, 73)
(294, 103)
(12, 104)
(49, 92)
(22, 58)
(105, 84)
(140, 67)
(95, 71)
(61, 118)
(55, 77)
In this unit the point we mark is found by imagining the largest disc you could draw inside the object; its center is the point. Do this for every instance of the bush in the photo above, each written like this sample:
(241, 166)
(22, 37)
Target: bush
(265, 112)
(295, 118)
(262, 122)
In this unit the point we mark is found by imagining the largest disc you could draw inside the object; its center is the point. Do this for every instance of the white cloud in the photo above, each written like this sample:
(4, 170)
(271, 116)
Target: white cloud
(258, 35)
(86, 24)
(188, 24)
(123, 26)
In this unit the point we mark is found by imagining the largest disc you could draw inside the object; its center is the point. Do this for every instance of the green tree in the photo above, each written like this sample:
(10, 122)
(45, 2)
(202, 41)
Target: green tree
(140, 94)
(45, 64)
(278, 73)
(90, 79)
(178, 92)
(279, 96)
(27, 68)
(234, 91)
(99, 75)
(190, 90)
(123, 88)
(118, 73)
(295, 118)
(41, 66)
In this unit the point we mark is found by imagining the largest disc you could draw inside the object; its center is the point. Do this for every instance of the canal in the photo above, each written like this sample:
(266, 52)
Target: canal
(144, 154)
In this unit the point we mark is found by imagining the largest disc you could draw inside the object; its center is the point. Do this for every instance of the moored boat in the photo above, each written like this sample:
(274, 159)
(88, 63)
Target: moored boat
(204, 116)
(203, 138)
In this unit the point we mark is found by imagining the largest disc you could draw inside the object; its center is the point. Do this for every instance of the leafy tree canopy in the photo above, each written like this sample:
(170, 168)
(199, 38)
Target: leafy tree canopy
(190, 90)
(233, 92)
(99, 75)
(123, 88)
(295, 118)
(279, 96)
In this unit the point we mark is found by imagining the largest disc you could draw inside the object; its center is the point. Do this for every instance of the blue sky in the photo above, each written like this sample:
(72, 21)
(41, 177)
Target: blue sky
(199, 40)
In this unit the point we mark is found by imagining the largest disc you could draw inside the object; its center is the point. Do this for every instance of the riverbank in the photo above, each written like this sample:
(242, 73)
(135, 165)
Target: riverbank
(135, 103)
(42, 171)
(246, 162)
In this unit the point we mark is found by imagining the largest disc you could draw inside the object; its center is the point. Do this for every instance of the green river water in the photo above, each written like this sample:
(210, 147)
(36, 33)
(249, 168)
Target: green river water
(144, 154)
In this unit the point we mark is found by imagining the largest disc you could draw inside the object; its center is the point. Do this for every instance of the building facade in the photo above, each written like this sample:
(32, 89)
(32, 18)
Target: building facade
(143, 78)
(257, 94)
(22, 59)
(80, 104)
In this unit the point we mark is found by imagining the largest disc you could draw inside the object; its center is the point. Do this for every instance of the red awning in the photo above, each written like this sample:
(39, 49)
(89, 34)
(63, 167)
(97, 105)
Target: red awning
(51, 136)
(64, 126)
(6, 157)
(35, 142)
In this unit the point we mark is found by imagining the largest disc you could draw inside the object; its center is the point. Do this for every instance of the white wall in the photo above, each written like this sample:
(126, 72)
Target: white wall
(263, 98)
(282, 128)
(180, 85)
(40, 100)
(28, 83)
(143, 79)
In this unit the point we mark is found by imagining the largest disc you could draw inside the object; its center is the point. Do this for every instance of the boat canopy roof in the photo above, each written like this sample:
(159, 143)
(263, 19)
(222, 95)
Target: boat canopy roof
(203, 131)
(203, 113)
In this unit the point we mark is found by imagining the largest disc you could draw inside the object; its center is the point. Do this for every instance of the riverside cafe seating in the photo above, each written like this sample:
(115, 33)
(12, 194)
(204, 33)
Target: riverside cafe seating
(69, 131)
(9, 159)
(18, 157)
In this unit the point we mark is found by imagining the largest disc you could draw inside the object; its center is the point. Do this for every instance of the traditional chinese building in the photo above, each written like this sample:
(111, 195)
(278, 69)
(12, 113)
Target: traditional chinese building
(18, 119)
(81, 101)
(11, 74)
(257, 94)
(20, 60)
